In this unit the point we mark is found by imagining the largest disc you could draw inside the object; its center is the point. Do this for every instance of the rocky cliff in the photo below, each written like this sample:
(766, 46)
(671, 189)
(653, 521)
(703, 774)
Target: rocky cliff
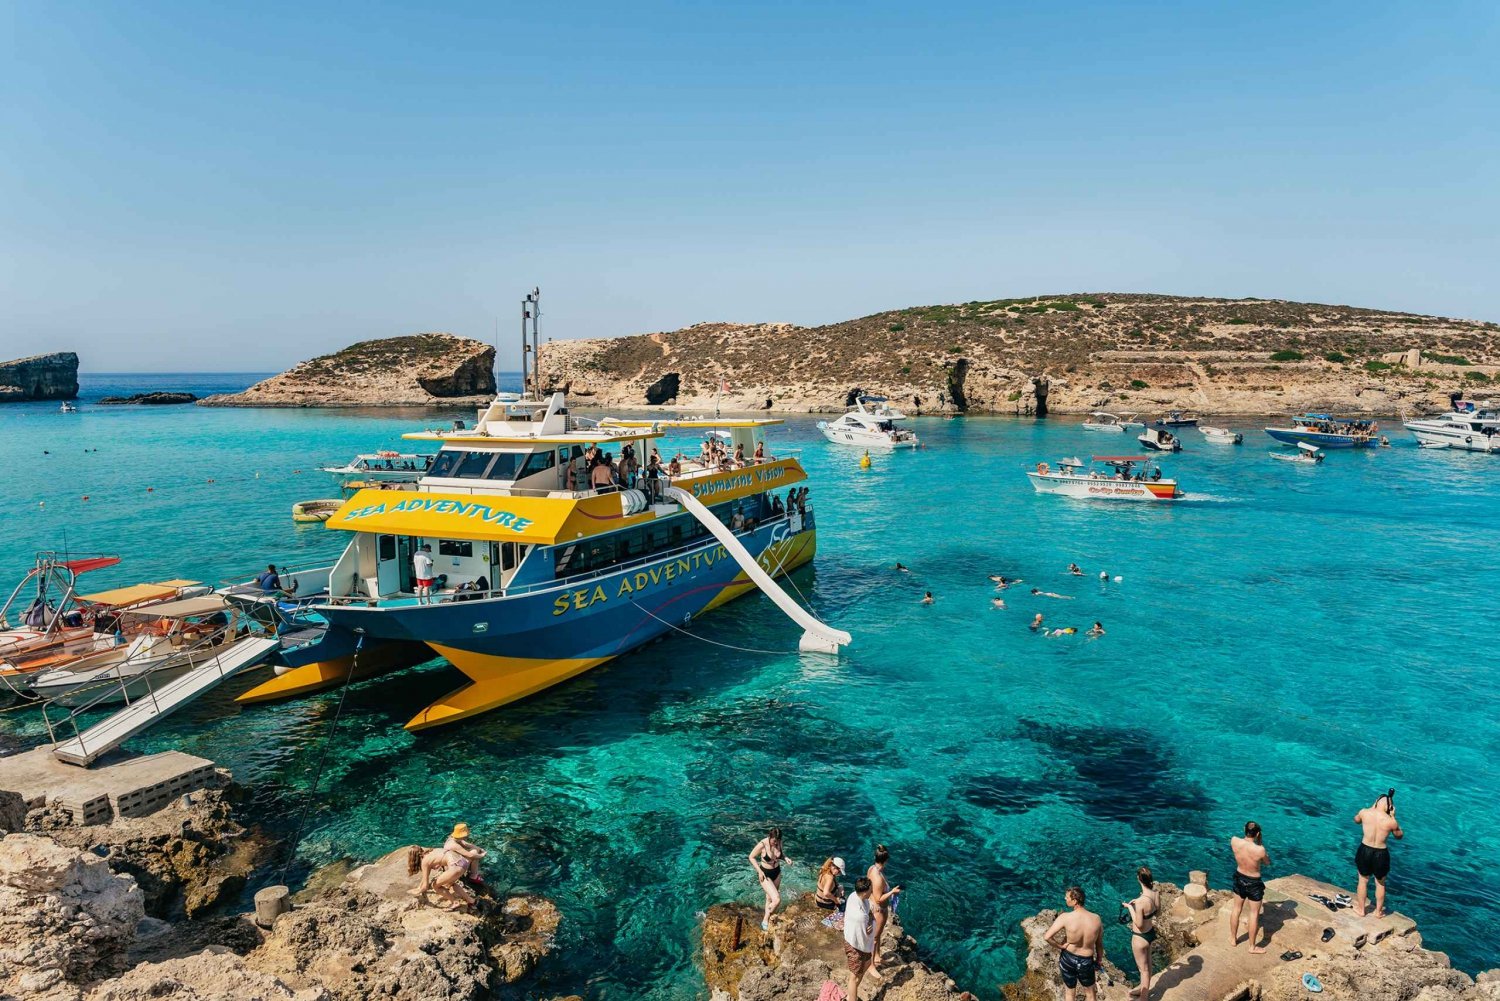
(1065, 353)
(40, 377)
(417, 370)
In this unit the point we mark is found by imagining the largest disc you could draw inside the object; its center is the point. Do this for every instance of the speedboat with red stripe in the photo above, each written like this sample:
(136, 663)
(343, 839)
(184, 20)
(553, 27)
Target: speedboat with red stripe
(1111, 477)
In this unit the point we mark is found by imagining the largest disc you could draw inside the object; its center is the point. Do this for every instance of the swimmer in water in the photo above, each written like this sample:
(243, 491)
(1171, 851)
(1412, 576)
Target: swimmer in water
(1075, 569)
(1069, 631)
(1036, 623)
(997, 602)
(1098, 629)
(927, 598)
(1104, 575)
(1037, 592)
(903, 568)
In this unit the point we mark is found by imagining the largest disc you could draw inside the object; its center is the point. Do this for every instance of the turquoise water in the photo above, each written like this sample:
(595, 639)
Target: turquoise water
(1283, 650)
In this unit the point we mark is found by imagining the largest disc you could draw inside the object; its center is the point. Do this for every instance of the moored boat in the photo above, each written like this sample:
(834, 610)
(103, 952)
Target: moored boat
(1469, 427)
(1305, 454)
(1112, 423)
(1129, 477)
(1327, 431)
(1159, 440)
(386, 466)
(1220, 436)
(871, 427)
(1175, 419)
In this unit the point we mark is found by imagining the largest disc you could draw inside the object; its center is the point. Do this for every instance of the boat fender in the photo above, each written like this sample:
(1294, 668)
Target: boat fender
(1468, 440)
(1041, 467)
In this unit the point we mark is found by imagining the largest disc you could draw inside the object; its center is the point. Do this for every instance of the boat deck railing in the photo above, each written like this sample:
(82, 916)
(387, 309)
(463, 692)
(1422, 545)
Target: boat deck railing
(408, 598)
(204, 650)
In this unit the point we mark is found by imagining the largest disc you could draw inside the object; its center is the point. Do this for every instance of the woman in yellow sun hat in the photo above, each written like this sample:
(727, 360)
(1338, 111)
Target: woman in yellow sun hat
(464, 853)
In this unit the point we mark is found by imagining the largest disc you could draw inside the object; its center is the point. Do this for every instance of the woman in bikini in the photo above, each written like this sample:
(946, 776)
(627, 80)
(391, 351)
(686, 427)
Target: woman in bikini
(830, 895)
(1143, 912)
(441, 873)
(767, 858)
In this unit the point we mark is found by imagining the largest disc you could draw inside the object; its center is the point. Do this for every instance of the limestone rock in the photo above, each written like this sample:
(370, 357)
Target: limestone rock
(368, 937)
(40, 377)
(663, 390)
(157, 399)
(188, 859)
(212, 975)
(1065, 354)
(799, 954)
(65, 919)
(416, 370)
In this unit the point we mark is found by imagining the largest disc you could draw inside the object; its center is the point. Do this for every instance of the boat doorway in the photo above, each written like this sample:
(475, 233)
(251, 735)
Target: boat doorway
(393, 564)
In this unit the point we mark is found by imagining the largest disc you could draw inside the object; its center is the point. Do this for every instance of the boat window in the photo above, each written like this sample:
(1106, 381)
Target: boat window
(387, 548)
(474, 465)
(539, 462)
(453, 547)
(444, 462)
(506, 464)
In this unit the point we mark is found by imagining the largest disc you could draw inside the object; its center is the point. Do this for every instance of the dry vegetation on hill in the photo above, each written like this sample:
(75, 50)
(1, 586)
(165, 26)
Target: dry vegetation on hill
(1083, 350)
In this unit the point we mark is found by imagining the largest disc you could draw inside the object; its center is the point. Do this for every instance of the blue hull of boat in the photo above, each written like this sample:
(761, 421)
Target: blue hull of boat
(1294, 436)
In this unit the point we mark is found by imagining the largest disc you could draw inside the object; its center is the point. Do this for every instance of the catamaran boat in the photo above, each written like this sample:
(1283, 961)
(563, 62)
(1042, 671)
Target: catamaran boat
(1159, 440)
(170, 639)
(1306, 454)
(872, 427)
(384, 467)
(1112, 423)
(1176, 419)
(1113, 477)
(1327, 431)
(1221, 436)
(1469, 426)
(540, 566)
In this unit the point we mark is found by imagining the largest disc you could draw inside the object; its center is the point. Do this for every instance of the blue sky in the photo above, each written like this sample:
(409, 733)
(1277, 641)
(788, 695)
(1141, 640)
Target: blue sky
(239, 186)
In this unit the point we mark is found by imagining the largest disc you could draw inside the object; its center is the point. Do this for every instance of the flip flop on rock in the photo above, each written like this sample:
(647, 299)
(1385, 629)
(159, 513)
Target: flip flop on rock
(1312, 983)
(1289, 955)
(1328, 934)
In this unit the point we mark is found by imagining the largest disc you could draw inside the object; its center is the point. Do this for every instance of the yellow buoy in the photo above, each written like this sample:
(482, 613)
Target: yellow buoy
(864, 462)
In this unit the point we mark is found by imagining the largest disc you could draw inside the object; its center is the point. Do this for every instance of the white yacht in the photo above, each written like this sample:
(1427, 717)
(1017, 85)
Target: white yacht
(1101, 420)
(384, 467)
(1471, 427)
(870, 427)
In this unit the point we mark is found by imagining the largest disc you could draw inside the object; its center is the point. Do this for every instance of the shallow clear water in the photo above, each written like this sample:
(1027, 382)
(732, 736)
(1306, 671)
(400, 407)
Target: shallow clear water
(1282, 648)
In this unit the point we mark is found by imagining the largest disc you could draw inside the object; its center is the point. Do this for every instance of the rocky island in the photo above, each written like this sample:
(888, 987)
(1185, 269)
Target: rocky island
(1062, 353)
(160, 398)
(415, 370)
(40, 377)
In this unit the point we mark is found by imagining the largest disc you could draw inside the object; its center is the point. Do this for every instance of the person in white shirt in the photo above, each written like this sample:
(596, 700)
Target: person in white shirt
(421, 565)
(859, 934)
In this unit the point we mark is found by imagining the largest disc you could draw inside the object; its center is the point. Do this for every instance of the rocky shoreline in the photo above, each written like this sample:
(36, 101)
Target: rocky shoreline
(39, 377)
(136, 909)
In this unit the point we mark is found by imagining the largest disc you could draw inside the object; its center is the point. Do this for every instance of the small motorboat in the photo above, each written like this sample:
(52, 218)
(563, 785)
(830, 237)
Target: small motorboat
(1221, 436)
(67, 408)
(1176, 419)
(1111, 423)
(315, 510)
(1306, 454)
(1116, 477)
(1159, 439)
(385, 466)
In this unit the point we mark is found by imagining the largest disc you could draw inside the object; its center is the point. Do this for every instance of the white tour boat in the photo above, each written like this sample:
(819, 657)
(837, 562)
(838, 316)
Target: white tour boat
(870, 427)
(1159, 440)
(1112, 423)
(1129, 477)
(1469, 427)
(385, 467)
(1221, 436)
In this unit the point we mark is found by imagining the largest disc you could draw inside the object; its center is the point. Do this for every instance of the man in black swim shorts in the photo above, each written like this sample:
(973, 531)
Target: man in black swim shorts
(1249, 888)
(1082, 943)
(1373, 858)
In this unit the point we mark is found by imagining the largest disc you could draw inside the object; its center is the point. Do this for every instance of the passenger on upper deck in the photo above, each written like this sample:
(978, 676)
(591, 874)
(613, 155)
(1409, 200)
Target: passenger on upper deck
(603, 474)
(628, 464)
(739, 455)
(674, 468)
(760, 451)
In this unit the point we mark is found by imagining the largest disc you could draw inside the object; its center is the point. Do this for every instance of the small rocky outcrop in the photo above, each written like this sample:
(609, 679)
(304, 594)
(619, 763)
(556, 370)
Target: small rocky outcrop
(40, 377)
(663, 390)
(416, 370)
(211, 975)
(799, 954)
(188, 858)
(65, 918)
(368, 937)
(156, 399)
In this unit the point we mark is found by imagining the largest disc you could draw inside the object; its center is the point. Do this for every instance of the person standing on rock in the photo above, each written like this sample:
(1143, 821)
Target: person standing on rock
(1144, 910)
(860, 934)
(1079, 935)
(1373, 858)
(882, 895)
(1249, 888)
(767, 858)
(421, 566)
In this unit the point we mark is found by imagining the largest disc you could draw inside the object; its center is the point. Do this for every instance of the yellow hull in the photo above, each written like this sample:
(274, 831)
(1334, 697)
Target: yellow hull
(498, 681)
(332, 673)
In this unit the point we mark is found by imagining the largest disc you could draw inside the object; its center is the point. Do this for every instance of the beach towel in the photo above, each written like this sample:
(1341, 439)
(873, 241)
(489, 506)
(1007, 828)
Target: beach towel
(831, 992)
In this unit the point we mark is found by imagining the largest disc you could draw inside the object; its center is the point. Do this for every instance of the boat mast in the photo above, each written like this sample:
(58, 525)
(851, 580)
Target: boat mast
(531, 309)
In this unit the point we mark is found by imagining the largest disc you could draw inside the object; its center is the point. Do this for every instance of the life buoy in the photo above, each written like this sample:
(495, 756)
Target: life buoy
(1041, 467)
